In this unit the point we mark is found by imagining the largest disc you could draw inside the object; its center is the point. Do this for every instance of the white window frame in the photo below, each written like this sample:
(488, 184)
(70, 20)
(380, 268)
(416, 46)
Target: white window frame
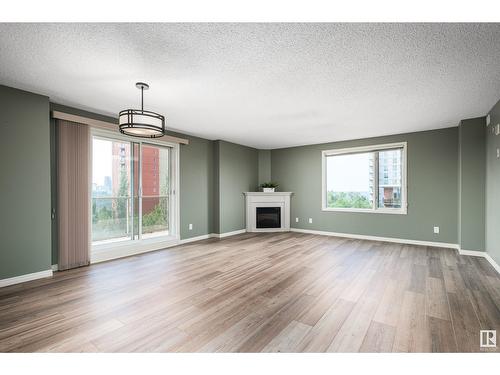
(118, 249)
(364, 149)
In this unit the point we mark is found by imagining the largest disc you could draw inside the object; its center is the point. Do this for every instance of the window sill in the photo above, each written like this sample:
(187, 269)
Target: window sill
(368, 211)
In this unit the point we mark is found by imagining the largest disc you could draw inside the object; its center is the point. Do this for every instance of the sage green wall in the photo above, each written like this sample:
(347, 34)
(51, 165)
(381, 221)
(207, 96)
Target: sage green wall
(493, 187)
(196, 186)
(238, 172)
(472, 184)
(264, 166)
(432, 188)
(25, 224)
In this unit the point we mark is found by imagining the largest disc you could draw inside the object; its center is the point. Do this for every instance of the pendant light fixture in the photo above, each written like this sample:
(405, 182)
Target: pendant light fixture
(141, 123)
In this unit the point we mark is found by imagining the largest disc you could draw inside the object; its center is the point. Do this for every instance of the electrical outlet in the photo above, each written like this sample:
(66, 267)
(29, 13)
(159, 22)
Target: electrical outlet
(190, 226)
(436, 230)
(310, 220)
(296, 219)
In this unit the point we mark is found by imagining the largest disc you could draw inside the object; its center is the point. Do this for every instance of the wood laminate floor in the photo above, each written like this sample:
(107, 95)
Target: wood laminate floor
(286, 292)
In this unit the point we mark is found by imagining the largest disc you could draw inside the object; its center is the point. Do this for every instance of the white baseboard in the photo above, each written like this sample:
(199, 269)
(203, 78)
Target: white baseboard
(228, 234)
(482, 254)
(377, 238)
(472, 253)
(211, 235)
(24, 278)
(194, 239)
(492, 262)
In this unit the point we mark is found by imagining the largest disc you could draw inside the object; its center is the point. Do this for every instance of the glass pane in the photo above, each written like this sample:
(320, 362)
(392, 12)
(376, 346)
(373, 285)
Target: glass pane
(155, 165)
(155, 189)
(390, 178)
(349, 181)
(111, 203)
(154, 216)
(111, 219)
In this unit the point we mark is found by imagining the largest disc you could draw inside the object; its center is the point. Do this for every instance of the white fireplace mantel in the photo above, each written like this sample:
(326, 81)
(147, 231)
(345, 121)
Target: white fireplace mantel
(260, 199)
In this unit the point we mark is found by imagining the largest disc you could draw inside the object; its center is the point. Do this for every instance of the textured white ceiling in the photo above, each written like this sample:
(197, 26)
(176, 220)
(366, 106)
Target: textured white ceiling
(264, 85)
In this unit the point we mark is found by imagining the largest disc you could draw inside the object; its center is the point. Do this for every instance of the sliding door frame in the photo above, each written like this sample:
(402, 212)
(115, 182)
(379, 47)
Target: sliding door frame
(140, 193)
(113, 250)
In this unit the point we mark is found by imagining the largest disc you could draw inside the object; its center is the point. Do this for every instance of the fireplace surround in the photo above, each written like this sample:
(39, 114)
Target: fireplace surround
(267, 212)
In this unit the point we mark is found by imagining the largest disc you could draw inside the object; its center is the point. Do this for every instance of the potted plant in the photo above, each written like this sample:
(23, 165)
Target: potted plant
(269, 187)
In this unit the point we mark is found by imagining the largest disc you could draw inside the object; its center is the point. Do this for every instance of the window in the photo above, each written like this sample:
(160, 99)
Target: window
(365, 179)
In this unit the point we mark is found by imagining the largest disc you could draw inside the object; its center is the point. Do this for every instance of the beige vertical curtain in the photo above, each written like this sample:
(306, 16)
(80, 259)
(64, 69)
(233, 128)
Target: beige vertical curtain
(73, 157)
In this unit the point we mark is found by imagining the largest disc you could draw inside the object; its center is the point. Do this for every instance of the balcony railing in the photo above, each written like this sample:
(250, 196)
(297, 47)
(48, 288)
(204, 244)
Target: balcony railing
(117, 218)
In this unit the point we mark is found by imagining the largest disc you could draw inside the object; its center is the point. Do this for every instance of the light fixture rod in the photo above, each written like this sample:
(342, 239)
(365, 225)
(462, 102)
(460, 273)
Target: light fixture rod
(143, 86)
(142, 98)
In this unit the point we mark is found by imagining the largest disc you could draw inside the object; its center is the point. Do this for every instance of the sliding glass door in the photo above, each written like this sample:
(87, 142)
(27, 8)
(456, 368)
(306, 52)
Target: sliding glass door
(154, 196)
(131, 191)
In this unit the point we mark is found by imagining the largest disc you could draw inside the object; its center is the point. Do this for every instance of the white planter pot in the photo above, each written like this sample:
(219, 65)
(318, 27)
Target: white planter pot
(268, 190)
